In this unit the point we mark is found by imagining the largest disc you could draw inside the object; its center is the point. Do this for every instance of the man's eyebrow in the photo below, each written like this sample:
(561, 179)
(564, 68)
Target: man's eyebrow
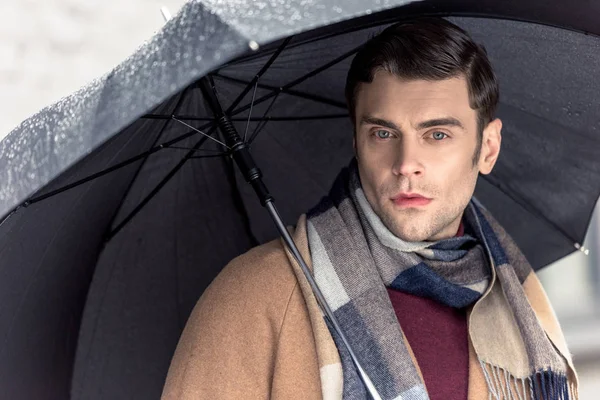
(367, 119)
(446, 121)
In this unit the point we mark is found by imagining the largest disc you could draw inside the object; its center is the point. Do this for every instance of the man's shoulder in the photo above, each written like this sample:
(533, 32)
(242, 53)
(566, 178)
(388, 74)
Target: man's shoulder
(268, 261)
(263, 271)
(258, 282)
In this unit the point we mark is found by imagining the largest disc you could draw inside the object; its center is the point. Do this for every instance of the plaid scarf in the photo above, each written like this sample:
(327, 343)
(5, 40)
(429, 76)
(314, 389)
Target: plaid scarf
(355, 257)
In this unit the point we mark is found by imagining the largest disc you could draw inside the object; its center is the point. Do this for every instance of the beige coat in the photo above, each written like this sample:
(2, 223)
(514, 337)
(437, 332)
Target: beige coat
(251, 335)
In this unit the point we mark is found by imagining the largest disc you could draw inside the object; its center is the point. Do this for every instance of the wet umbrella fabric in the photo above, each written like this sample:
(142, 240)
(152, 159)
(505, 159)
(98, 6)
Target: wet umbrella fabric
(96, 282)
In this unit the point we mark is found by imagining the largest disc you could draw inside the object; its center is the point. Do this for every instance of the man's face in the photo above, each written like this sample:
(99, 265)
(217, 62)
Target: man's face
(415, 142)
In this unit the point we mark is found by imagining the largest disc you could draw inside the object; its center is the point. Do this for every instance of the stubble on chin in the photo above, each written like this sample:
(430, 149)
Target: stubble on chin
(416, 231)
(417, 225)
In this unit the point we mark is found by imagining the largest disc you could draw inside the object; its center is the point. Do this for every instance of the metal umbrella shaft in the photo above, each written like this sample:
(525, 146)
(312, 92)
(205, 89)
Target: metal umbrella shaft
(241, 154)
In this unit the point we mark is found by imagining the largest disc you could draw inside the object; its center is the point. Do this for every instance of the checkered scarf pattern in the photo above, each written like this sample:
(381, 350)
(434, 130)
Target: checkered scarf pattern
(355, 257)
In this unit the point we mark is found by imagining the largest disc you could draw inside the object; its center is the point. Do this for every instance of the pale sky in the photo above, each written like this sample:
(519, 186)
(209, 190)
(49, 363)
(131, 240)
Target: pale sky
(49, 49)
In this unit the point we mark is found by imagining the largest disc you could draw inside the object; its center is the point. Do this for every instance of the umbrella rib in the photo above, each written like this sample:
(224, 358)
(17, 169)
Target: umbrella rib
(202, 133)
(113, 168)
(211, 156)
(253, 119)
(140, 156)
(219, 152)
(261, 125)
(260, 73)
(300, 79)
(157, 188)
(10, 214)
(292, 92)
(180, 116)
(250, 112)
(145, 158)
(530, 209)
(163, 129)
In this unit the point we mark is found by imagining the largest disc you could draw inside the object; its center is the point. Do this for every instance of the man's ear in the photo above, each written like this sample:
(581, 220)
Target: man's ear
(490, 146)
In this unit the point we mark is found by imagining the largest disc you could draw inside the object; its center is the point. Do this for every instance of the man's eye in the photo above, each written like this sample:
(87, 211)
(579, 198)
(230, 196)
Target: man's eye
(439, 135)
(381, 134)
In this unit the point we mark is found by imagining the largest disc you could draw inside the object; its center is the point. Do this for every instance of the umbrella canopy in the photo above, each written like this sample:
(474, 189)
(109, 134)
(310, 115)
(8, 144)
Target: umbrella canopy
(120, 205)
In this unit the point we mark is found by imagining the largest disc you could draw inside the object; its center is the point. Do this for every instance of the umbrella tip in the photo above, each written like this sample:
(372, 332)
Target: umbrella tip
(582, 249)
(165, 13)
(253, 45)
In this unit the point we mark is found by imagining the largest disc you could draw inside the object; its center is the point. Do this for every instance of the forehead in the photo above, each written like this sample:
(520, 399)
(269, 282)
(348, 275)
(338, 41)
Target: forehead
(410, 101)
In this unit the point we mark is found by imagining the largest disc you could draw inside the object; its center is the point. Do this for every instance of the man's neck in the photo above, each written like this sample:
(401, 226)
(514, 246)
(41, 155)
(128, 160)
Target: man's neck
(461, 230)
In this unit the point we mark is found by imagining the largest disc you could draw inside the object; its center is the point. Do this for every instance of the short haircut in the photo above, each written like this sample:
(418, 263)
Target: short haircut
(430, 49)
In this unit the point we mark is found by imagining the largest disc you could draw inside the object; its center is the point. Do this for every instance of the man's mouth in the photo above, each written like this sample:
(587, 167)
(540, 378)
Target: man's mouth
(410, 200)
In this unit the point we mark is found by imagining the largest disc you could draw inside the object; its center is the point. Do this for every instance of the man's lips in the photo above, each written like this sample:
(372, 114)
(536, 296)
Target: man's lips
(410, 200)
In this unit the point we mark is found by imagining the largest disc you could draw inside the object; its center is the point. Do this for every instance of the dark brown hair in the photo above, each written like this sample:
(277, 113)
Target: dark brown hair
(429, 49)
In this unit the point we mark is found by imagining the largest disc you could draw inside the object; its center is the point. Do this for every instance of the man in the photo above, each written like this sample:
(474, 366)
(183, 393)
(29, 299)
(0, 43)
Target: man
(435, 299)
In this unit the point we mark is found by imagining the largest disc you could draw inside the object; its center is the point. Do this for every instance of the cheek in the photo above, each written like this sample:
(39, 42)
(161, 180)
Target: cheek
(377, 166)
(371, 161)
(459, 181)
(368, 174)
(372, 179)
(452, 171)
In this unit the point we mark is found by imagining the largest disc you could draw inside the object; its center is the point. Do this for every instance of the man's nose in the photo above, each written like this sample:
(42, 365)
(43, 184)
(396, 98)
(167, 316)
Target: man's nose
(408, 161)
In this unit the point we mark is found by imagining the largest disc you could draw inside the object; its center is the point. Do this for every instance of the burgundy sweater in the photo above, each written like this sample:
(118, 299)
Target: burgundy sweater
(438, 337)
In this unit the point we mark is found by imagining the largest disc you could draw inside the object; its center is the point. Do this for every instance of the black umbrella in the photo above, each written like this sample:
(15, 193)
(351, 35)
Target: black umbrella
(120, 203)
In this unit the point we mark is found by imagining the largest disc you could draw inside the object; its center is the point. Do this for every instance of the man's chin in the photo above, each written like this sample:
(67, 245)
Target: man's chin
(411, 237)
(407, 232)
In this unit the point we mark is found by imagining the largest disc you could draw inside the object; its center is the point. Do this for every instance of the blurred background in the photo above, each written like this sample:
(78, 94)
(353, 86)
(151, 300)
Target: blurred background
(52, 48)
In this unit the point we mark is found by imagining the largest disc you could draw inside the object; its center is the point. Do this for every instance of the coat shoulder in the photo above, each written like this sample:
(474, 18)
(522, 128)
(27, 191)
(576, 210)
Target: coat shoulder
(257, 284)
(263, 270)
(228, 348)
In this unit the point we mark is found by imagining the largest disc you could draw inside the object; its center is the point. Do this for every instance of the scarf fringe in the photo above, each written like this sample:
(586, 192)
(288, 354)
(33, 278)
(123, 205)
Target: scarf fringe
(542, 385)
